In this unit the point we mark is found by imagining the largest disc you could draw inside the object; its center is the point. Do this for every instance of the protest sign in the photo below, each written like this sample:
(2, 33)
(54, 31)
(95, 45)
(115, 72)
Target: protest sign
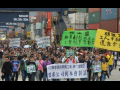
(60, 71)
(27, 46)
(43, 42)
(84, 38)
(31, 68)
(107, 40)
(15, 42)
(70, 52)
(96, 68)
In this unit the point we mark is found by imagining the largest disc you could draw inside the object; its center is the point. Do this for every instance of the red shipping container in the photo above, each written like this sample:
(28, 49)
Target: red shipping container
(11, 35)
(119, 26)
(34, 21)
(109, 25)
(94, 26)
(91, 10)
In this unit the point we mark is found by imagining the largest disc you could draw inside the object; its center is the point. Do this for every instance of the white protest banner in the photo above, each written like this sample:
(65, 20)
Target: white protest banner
(60, 71)
(31, 68)
(96, 68)
(15, 42)
(44, 41)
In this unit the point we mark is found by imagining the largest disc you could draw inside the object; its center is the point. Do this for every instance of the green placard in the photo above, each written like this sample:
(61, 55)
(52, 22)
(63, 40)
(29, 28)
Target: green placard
(31, 68)
(96, 68)
(70, 52)
(85, 38)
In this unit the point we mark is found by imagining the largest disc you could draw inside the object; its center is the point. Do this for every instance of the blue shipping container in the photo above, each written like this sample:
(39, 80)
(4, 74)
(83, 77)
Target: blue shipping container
(19, 35)
(109, 13)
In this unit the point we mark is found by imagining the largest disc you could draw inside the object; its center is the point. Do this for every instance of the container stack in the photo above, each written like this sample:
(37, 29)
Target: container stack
(79, 20)
(11, 33)
(94, 18)
(109, 19)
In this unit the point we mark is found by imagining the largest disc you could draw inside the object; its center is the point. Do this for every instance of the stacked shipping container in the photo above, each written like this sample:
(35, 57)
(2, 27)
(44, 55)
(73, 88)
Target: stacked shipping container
(94, 18)
(78, 20)
(109, 19)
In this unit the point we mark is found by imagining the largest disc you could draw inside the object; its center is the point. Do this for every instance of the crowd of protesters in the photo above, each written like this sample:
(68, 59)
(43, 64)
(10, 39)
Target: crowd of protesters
(13, 61)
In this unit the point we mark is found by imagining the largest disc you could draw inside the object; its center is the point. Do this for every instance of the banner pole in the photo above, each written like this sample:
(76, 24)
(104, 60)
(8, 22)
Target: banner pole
(94, 43)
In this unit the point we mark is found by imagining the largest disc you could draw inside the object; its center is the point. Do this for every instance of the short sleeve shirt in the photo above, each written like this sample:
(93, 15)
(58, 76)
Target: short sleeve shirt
(110, 59)
(15, 65)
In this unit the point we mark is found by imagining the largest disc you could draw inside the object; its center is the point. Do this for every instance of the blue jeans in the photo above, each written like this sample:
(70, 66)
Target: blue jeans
(110, 69)
(56, 80)
(45, 76)
(115, 63)
(71, 79)
(40, 77)
(8, 77)
(24, 74)
(103, 77)
(31, 76)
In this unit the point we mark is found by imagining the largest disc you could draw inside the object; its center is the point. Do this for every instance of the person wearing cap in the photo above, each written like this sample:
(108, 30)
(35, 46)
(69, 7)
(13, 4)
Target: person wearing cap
(105, 69)
(80, 58)
(44, 65)
(16, 66)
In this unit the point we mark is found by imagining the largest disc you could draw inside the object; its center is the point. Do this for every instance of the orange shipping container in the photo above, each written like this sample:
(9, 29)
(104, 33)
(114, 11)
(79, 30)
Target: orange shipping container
(91, 10)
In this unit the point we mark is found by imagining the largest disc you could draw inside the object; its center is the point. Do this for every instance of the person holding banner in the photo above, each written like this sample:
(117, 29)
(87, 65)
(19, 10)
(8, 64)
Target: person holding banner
(88, 68)
(57, 62)
(110, 59)
(31, 74)
(70, 60)
(44, 65)
(37, 64)
(96, 62)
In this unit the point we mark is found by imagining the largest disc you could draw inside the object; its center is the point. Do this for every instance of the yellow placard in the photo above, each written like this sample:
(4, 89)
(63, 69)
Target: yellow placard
(107, 40)
(28, 33)
(69, 29)
(7, 34)
(16, 34)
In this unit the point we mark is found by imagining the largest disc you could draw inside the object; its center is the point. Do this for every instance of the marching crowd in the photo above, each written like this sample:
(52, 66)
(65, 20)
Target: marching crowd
(14, 60)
